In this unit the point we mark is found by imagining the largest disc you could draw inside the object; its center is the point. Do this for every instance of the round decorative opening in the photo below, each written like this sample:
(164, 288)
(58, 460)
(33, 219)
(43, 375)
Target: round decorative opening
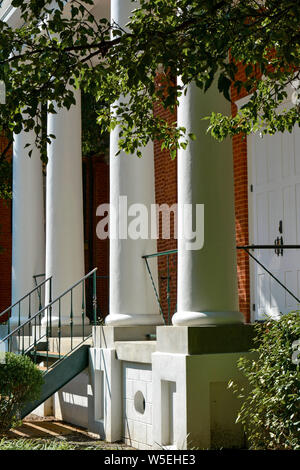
(139, 402)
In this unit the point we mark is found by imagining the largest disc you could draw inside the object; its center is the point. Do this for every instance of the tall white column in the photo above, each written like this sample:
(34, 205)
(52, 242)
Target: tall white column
(132, 299)
(207, 278)
(28, 233)
(64, 210)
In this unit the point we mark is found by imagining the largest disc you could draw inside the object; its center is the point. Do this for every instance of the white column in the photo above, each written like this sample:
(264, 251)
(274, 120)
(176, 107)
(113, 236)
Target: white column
(132, 299)
(207, 278)
(64, 209)
(28, 234)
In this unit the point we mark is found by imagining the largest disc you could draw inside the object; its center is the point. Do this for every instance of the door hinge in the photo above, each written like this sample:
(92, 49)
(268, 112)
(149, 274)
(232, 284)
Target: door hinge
(251, 188)
(253, 307)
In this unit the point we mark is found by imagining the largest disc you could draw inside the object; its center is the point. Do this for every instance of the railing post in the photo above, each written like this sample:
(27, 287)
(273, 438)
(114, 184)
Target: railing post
(50, 308)
(40, 298)
(59, 325)
(95, 297)
(8, 330)
(71, 319)
(155, 290)
(34, 345)
(168, 290)
(29, 306)
(47, 339)
(19, 321)
(82, 307)
(23, 348)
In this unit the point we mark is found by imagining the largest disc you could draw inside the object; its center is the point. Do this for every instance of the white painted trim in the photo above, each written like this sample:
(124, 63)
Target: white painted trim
(11, 15)
(251, 215)
(287, 102)
(242, 101)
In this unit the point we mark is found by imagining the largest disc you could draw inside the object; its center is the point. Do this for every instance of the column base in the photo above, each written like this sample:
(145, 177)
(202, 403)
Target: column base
(128, 319)
(185, 318)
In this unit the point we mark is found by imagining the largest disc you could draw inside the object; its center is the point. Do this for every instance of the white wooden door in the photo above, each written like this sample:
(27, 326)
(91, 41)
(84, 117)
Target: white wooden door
(274, 183)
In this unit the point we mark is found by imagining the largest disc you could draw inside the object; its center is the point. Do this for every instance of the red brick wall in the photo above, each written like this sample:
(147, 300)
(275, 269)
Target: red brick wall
(5, 248)
(239, 146)
(101, 247)
(166, 193)
(96, 192)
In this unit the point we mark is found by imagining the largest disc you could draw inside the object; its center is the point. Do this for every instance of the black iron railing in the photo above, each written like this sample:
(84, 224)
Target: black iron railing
(278, 248)
(25, 337)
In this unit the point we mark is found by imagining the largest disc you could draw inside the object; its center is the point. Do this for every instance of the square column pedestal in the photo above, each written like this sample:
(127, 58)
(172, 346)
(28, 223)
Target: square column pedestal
(169, 391)
(192, 406)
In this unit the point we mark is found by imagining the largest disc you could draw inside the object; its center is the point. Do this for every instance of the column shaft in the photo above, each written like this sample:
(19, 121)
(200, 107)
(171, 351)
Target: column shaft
(207, 278)
(28, 234)
(64, 210)
(132, 299)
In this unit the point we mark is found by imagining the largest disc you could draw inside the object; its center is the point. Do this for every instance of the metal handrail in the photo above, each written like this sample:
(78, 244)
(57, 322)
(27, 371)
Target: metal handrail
(26, 295)
(50, 304)
(246, 248)
(48, 309)
(35, 277)
(160, 253)
(155, 255)
(268, 247)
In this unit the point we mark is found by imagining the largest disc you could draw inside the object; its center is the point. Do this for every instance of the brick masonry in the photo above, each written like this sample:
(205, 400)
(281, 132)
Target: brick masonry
(166, 193)
(96, 192)
(239, 147)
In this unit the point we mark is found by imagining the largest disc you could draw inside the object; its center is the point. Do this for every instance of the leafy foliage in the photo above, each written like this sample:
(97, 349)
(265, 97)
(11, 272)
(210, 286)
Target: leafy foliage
(93, 142)
(271, 411)
(63, 45)
(20, 382)
(6, 177)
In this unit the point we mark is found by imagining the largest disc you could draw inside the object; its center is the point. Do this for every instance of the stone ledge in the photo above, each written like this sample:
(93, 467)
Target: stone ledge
(106, 336)
(195, 340)
(135, 351)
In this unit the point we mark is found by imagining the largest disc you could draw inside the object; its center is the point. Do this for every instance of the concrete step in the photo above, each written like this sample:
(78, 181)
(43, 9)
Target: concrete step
(50, 354)
(64, 345)
(44, 368)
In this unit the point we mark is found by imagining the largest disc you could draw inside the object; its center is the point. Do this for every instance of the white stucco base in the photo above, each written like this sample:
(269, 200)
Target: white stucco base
(71, 402)
(175, 394)
(137, 405)
(192, 407)
(3, 333)
(170, 393)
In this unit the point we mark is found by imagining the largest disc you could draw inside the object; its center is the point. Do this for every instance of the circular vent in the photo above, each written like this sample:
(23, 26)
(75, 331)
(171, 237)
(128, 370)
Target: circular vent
(139, 402)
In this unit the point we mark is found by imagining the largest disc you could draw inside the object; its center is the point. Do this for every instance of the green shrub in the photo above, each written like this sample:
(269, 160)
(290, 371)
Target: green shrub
(20, 383)
(270, 411)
